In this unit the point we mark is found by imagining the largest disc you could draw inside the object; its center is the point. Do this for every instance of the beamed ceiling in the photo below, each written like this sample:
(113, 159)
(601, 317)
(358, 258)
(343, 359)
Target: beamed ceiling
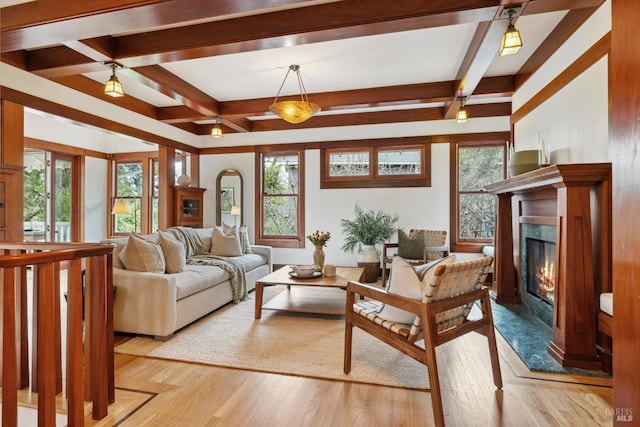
(187, 62)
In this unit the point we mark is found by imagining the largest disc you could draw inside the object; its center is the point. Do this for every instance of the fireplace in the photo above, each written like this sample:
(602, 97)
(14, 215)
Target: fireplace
(541, 274)
(568, 208)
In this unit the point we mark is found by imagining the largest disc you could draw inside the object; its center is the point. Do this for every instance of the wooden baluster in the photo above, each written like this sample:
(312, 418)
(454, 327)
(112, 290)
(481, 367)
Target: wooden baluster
(99, 348)
(75, 381)
(46, 357)
(9, 360)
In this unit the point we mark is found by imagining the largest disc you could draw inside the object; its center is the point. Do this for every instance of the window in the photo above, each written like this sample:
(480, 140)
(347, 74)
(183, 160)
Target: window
(377, 166)
(475, 211)
(128, 188)
(281, 205)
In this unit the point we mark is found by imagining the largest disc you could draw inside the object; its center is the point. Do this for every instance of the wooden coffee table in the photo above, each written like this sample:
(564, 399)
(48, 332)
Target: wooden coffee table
(321, 295)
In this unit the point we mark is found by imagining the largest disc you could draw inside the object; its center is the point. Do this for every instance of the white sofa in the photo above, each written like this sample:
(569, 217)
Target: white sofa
(159, 304)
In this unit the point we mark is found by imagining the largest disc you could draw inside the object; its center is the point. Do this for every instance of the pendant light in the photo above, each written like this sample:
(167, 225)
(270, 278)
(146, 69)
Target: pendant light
(461, 115)
(511, 40)
(113, 87)
(216, 130)
(294, 111)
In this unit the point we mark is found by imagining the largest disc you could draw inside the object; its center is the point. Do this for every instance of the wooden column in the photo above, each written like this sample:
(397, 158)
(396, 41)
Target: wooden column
(624, 145)
(167, 172)
(505, 284)
(574, 316)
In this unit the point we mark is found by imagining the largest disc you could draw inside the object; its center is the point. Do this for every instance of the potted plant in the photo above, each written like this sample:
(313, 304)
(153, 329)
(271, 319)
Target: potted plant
(367, 229)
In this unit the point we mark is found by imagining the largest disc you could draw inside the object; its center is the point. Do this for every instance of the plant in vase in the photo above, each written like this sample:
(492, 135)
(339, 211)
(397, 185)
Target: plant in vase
(366, 230)
(319, 240)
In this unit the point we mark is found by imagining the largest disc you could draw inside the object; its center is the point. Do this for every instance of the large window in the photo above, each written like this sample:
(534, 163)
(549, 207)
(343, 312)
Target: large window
(128, 189)
(388, 163)
(281, 204)
(475, 210)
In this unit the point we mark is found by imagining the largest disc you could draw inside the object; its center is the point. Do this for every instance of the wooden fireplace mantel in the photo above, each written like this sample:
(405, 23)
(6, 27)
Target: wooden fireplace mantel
(576, 198)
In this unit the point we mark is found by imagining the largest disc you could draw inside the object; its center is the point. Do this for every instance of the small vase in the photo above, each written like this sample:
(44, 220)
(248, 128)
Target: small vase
(318, 256)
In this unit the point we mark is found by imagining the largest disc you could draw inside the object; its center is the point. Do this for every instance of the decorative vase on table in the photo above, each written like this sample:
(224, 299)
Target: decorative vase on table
(318, 256)
(369, 260)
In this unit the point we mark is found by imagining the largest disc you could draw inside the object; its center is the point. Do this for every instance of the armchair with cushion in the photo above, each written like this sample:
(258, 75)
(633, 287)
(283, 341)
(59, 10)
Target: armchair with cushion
(417, 247)
(449, 290)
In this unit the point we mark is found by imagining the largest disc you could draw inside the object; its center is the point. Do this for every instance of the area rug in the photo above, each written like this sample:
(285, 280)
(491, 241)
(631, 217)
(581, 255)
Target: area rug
(283, 343)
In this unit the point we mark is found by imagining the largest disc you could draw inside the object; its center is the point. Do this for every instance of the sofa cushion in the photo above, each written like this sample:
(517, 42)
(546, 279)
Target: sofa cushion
(140, 254)
(196, 278)
(119, 242)
(175, 254)
(249, 262)
(225, 244)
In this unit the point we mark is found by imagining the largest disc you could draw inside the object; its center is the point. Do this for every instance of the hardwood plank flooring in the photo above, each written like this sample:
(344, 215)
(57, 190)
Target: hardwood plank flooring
(154, 392)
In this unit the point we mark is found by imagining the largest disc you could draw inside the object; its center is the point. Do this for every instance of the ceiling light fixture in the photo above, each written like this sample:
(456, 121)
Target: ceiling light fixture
(511, 40)
(294, 111)
(461, 115)
(216, 130)
(113, 87)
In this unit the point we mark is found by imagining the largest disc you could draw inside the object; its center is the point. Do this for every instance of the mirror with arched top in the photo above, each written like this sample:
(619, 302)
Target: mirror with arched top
(229, 209)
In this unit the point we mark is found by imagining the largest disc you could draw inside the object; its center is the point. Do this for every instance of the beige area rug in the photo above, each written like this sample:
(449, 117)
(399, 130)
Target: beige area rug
(283, 343)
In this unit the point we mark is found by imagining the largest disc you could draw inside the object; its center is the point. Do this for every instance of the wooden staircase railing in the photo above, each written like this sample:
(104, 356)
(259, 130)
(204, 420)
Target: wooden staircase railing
(89, 343)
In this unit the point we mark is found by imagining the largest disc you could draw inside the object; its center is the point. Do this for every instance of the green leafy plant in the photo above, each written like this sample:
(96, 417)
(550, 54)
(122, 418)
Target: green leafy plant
(367, 228)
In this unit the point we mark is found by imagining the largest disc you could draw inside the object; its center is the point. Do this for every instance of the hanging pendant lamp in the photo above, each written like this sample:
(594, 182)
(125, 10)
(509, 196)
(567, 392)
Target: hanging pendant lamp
(294, 111)
(113, 87)
(511, 40)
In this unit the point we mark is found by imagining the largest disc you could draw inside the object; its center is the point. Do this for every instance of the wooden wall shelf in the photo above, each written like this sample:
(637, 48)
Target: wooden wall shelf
(576, 198)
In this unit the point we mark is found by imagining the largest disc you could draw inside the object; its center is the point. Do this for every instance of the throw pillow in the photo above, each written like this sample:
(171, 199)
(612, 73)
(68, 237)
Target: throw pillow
(225, 244)
(405, 281)
(421, 270)
(243, 232)
(142, 255)
(175, 254)
(410, 247)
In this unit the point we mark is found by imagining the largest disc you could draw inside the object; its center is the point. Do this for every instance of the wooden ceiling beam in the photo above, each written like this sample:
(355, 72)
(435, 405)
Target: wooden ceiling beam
(41, 23)
(378, 117)
(179, 114)
(162, 80)
(91, 87)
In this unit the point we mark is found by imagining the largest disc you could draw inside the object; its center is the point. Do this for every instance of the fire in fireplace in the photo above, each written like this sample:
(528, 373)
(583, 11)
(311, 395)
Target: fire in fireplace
(541, 277)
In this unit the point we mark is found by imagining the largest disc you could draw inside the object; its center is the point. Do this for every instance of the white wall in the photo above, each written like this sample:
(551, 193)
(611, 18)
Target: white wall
(417, 207)
(576, 117)
(95, 208)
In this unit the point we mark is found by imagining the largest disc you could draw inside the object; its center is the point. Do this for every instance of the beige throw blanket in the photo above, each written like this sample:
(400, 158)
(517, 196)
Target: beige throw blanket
(197, 255)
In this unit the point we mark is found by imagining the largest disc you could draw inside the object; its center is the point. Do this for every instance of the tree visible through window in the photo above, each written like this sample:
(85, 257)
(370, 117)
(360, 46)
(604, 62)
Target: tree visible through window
(281, 199)
(478, 166)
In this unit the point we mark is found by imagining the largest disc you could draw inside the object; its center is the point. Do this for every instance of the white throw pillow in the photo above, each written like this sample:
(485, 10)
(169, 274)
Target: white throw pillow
(142, 255)
(225, 244)
(174, 252)
(405, 281)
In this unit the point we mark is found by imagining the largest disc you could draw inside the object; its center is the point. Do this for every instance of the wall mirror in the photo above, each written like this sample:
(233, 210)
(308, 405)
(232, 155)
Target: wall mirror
(229, 209)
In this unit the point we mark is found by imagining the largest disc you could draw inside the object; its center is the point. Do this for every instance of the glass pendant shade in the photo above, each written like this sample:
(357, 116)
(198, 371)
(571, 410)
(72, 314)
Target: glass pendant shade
(511, 40)
(113, 87)
(461, 115)
(294, 111)
(216, 131)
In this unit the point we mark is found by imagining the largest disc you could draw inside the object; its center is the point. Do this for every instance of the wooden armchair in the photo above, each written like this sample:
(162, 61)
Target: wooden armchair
(434, 248)
(440, 317)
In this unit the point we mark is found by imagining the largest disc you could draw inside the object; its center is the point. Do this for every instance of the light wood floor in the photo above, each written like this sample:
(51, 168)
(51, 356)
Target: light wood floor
(153, 392)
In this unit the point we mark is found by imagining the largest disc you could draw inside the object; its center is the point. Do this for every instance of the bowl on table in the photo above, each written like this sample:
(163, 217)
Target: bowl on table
(305, 270)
